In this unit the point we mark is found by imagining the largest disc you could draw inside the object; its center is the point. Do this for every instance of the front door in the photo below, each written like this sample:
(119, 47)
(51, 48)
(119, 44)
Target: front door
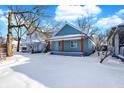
(56, 45)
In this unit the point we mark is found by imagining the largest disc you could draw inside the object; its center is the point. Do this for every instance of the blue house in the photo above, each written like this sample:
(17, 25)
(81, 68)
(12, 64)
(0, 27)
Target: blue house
(69, 40)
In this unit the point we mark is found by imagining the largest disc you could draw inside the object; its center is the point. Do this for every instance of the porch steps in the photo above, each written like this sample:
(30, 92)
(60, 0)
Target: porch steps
(67, 53)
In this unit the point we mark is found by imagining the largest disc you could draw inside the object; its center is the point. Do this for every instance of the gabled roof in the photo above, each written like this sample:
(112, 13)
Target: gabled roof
(115, 31)
(70, 26)
(119, 25)
(71, 36)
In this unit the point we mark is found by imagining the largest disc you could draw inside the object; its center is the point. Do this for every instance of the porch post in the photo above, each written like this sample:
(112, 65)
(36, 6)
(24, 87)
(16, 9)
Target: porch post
(81, 44)
(62, 45)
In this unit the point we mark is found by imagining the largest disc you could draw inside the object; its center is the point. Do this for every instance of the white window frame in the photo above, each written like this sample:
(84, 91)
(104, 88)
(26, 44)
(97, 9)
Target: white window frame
(74, 43)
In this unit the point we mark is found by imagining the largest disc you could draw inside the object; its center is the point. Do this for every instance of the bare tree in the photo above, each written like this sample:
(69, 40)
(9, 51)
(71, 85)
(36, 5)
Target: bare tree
(100, 38)
(86, 24)
(50, 28)
(29, 18)
(105, 38)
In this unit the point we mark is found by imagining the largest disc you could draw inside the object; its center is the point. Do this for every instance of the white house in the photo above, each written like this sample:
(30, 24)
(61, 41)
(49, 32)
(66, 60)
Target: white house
(34, 43)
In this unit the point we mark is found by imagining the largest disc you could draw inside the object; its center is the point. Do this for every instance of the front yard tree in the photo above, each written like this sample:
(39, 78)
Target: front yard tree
(23, 18)
(86, 24)
(49, 28)
(104, 39)
(99, 41)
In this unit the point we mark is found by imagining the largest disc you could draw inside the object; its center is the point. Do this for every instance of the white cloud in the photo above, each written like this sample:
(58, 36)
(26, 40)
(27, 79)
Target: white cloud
(91, 10)
(73, 12)
(3, 16)
(4, 19)
(109, 21)
(120, 12)
(113, 20)
(1, 12)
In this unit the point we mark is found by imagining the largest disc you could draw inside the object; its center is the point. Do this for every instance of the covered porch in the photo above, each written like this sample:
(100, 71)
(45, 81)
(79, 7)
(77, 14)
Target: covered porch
(67, 44)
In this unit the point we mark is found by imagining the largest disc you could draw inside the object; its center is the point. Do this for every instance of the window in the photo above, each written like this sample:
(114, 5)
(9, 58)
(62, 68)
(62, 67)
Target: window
(73, 44)
(59, 43)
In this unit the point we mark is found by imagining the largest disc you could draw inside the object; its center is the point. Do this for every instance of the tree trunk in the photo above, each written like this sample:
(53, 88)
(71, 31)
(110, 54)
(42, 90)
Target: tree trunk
(98, 53)
(18, 45)
(9, 37)
(106, 55)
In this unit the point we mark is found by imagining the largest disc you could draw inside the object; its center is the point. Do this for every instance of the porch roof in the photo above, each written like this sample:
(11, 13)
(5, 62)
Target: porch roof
(67, 37)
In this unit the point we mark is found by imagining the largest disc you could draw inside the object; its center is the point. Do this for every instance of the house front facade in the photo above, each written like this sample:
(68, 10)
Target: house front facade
(116, 42)
(70, 40)
(34, 43)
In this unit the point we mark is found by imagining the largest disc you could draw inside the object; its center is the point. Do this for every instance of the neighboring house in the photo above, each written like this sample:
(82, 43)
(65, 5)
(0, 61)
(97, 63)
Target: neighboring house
(34, 43)
(46, 35)
(1, 40)
(15, 43)
(116, 41)
(3, 51)
(70, 40)
(3, 48)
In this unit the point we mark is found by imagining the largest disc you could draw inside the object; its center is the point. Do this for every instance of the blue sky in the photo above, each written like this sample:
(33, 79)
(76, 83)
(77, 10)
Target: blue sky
(105, 16)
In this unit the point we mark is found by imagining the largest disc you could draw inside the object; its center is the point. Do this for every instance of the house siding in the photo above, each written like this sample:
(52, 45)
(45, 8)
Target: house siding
(67, 30)
(68, 48)
(88, 46)
(36, 47)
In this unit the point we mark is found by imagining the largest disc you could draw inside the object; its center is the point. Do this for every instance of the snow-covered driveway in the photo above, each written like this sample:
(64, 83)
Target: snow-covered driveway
(45, 70)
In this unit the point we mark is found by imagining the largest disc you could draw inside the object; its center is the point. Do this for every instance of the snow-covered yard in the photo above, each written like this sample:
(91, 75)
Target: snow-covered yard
(45, 70)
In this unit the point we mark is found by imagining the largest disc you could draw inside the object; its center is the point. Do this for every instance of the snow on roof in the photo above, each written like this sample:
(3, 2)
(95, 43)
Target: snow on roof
(36, 40)
(28, 40)
(15, 42)
(122, 24)
(35, 37)
(67, 36)
(69, 25)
